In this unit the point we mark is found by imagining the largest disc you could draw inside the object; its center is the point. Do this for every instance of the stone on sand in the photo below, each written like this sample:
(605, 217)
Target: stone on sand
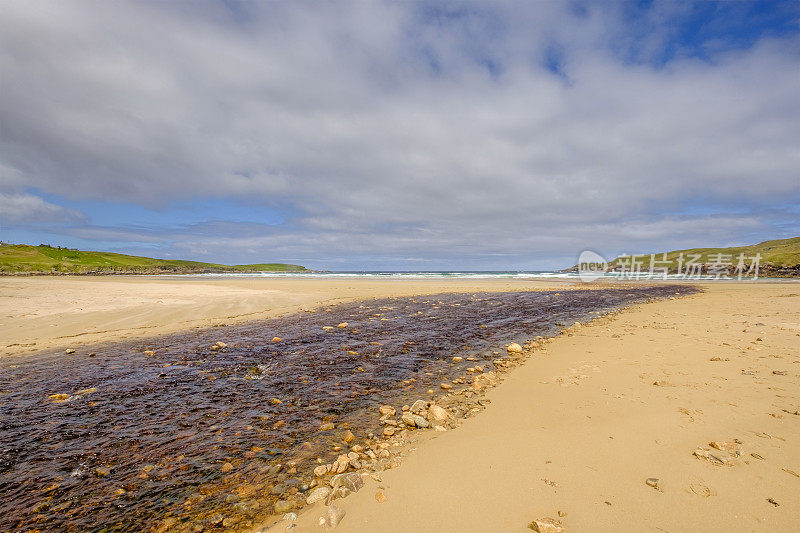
(317, 495)
(437, 415)
(514, 348)
(546, 525)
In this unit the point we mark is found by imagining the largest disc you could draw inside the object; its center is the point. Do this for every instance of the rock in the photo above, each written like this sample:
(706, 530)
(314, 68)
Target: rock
(348, 436)
(328, 328)
(388, 431)
(276, 339)
(283, 506)
(380, 497)
(69, 351)
(546, 525)
(275, 401)
(149, 353)
(457, 359)
(340, 464)
(514, 348)
(327, 426)
(317, 495)
(437, 415)
(660, 383)
(408, 419)
(439, 428)
(445, 386)
(216, 520)
(652, 482)
(342, 325)
(321, 470)
(333, 517)
(227, 467)
(352, 482)
(419, 407)
(420, 422)
(230, 521)
(59, 397)
(483, 381)
(102, 471)
(387, 410)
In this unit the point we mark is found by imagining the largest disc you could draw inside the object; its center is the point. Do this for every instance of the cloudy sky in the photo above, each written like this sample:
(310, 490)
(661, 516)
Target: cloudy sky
(398, 135)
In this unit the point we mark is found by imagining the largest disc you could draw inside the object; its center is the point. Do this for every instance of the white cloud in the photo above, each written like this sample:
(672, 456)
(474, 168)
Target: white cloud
(16, 207)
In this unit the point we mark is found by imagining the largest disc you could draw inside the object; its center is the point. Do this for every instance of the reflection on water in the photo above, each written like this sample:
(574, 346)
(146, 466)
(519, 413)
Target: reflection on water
(180, 426)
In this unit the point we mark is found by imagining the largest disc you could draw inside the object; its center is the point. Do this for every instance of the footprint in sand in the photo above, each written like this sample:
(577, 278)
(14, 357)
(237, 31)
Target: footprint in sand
(702, 490)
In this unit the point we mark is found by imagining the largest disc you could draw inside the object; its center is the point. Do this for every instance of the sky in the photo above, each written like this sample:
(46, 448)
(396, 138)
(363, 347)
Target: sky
(398, 135)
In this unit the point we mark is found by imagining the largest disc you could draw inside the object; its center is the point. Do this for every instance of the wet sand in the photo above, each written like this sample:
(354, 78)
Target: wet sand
(581, 426)
(39, 313)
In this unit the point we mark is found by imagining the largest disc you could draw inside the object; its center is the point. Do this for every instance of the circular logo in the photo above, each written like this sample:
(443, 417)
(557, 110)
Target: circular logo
(591, 266)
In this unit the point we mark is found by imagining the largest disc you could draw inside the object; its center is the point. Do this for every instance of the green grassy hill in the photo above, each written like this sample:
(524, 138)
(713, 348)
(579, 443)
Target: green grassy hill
(44, 259)
(778, 258)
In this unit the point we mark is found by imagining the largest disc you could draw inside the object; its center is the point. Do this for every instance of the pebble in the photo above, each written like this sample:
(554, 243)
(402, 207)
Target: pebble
(652, 482)
(333, 517)
(380, 497)
(69, 351)
(388, 431)
(348, 436)
(328, 328)
(283, 506)
(342, 325)
(216, 520)
(420, 422)
(387, 410)
(102, 471)
(230, 521)
(419, 407)
(317, 495)
(327, 426)
(408, 419)
(437, 414)
(446, 386)
(227, 467)
(546, 525)
(457, 359)
(514, 348)
(276, 339)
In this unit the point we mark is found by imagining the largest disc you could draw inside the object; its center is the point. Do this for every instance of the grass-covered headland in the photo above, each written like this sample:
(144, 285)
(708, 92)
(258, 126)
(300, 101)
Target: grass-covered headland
(45, 259)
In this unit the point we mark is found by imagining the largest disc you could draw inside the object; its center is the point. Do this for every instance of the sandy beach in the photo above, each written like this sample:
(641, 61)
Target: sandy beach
(582, 425)
(43, 312)
(572, 434)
